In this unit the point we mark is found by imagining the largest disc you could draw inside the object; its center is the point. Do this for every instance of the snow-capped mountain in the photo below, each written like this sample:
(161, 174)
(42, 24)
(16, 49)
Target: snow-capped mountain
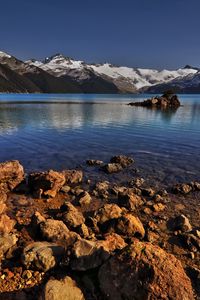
(186, 84)
(60, 74)
(125, 78)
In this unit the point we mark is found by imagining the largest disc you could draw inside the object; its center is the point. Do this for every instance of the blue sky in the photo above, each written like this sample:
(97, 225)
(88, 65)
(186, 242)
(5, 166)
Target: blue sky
(144, 33)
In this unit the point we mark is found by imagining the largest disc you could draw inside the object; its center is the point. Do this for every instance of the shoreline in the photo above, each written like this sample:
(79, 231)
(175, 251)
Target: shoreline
(72, 212)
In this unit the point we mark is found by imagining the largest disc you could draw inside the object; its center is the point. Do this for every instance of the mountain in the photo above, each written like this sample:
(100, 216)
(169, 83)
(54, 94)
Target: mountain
(187, 84)
(127, 80)
(17, 76)
(60, 74)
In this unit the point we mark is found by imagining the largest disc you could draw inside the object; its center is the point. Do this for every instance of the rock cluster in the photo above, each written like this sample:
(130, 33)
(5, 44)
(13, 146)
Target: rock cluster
(98, 241)
(163, 102)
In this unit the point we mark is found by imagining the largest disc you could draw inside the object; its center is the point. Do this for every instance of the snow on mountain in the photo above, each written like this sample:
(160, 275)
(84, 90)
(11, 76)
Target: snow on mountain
(59, 65)
(4, 54)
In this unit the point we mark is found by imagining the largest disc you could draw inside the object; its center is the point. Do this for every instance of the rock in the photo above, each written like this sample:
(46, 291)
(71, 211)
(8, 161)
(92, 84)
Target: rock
(42, 256)
(65, 189)
(94, 162)
(11, 175)
(84, 199)
(47, 183)
(152, 236)
(190, 241)
(194, 274)
(6, 224)
(195, 185)
(159, 207)
(129, 200)
(123, 160)
(112, 242)
(88, 255)
(113, 168)
(3, 207)
(72, 217)
(101, 189)
(91, 254)
(129, 225)
(73, 176)
(83, 231)
(180, 222)
(182, 188)
(7, 242)
(57, 231)
(144, 271)
(163, 102)
(108, 212)
(148, 192)
(137, 182)
(147, 211)
(36, 219)
(64, 289)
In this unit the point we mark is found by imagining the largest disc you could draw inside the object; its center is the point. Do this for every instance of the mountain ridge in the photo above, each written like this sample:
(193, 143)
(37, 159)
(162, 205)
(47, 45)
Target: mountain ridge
(62, 74)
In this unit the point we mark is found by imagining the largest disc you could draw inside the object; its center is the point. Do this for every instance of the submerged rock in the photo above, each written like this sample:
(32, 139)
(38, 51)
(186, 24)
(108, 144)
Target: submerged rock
(64, 289)
(123, 160)
(46, 183)
(11, 175)
(113, 168)
(144, 271)
(94, 162)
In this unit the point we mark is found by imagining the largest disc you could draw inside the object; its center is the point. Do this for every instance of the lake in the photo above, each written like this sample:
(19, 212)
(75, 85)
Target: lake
(62, 131)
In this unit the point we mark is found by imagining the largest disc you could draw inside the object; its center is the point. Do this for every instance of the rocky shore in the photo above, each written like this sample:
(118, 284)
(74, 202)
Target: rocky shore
(64, 236)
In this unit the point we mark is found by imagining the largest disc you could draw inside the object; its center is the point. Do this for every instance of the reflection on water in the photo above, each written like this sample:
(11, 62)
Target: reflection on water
(55, 134)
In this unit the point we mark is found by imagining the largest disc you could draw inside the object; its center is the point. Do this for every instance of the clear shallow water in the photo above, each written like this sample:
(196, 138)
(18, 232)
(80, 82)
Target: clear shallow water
(62, 131)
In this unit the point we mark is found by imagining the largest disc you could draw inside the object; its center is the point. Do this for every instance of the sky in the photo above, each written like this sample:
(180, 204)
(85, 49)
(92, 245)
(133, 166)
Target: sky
(137, 33)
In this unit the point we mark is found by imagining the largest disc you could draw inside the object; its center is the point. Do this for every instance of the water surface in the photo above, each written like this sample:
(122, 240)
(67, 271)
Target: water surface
(62, 131)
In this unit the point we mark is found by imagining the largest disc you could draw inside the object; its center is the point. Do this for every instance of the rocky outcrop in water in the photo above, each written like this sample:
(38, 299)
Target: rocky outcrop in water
(166, 101)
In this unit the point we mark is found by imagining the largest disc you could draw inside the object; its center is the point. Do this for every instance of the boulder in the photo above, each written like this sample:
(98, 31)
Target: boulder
(101, 189)
(91, 254)
(129, 200)
(73, 176)
(72, 217)
(11, 175)
(123, 160)
(180, 222)
(129, 225)
(57, 231)
(6, 224)
(64, 289)
(144, 271)
(108, 212)
(7, 242)
(84, 199)
(88, 255)
(47, 183)
(42, 256)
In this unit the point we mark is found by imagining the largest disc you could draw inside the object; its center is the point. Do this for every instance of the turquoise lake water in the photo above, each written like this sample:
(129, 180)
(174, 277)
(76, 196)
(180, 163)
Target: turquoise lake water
(62, 131)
